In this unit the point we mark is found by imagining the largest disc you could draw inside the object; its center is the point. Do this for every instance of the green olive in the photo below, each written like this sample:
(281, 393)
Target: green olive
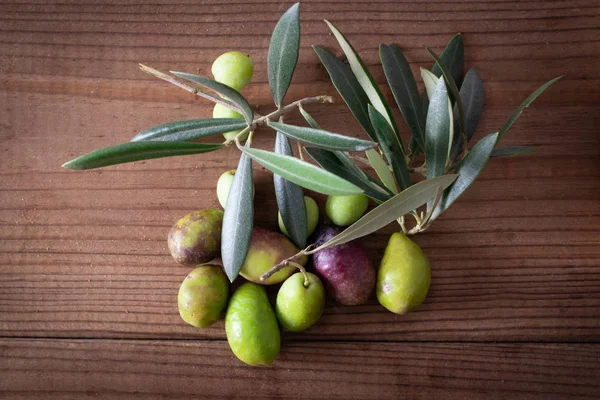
(312, 217)
(345, 210)
(223, 112)
(233, 69)
(224, 186)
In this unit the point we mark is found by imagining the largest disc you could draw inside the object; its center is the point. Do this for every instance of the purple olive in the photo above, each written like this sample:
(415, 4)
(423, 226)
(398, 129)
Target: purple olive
(348, 274)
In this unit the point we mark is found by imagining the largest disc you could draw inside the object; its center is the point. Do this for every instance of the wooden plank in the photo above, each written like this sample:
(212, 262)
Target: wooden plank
(65, 369)
(84, 255)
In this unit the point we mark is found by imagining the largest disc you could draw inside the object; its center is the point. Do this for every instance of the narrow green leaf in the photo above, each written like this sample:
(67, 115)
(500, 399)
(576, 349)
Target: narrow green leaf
(364, 77)
(322, 138)
(231, 94)
(469, 169)
(404, 88)
(290, 199)
(340, 164)
(283, 53)
(308, 118)
(238, 220)
(391, 148)
(382, 169)
(437, 131)
(189, 130)
(512, 151)
(453, 90)
(348, 87)
(430, 81)
(524, 105)
(402, 203)
(136, 151)
(472, 96)
(302, 173)
(453, 58)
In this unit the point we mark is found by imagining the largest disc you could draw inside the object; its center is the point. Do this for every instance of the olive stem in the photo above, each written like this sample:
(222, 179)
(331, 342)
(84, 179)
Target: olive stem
(303, 271)
(278, 113)
(278, 267)
(197, 90)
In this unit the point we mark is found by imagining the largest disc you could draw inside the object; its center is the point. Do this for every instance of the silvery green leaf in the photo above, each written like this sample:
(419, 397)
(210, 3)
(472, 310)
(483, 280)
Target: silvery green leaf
(238, 220)
(469, 169)
(190, 129)
(348, 87)
(340, 164)
(472, 96)
(524, 105)
(137, 151)
(290, 199)
(453, 89)
(437, 131)
(453, 58)
(402, 203)
(382, 169)
(512, 151)
(283, 53)
(322, 138)
(231, 94)
(404, 88)
(391, 148)
(430, 81)
(302, 173)
(363, 76)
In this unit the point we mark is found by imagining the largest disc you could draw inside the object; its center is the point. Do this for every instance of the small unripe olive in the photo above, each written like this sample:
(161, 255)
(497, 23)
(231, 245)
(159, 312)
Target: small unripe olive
(233, 69)
(221, 111)
(224, 186)
(345, 210)
(312, 217)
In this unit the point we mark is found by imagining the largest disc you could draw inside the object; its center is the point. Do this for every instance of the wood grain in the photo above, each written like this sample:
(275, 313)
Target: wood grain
(83, 257)
(207, 370)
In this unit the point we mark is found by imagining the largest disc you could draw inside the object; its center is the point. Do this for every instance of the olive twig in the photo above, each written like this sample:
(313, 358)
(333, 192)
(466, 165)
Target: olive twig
(288, 261)
(197, 90)
(277, 114)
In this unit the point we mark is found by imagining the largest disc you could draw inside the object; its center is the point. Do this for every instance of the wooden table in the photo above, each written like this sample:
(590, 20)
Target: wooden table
(88, 288)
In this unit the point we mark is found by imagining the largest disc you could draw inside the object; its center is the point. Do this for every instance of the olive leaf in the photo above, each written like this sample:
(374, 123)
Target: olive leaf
(512, 151)
(471, 96)
(308, 118)
(283, 53)
(390, 147)
(524, 105)
(430, 81)
(322, 138)
(404, 88)
(453, 58)
(238, 219)
(363, 76)
(402, 203)
(381, 168)
(340, 165)
(290, 199)
(136, 151)
(302, 173)
(453, 90)
(189, 129)
(348, 87)
(231, 94)
(437, 130)
(468, 170)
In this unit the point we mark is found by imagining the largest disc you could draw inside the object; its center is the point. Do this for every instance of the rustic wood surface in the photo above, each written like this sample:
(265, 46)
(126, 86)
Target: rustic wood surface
(88, 289)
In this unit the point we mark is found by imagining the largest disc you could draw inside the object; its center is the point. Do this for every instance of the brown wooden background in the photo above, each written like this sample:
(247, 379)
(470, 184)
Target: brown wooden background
(88, 289)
